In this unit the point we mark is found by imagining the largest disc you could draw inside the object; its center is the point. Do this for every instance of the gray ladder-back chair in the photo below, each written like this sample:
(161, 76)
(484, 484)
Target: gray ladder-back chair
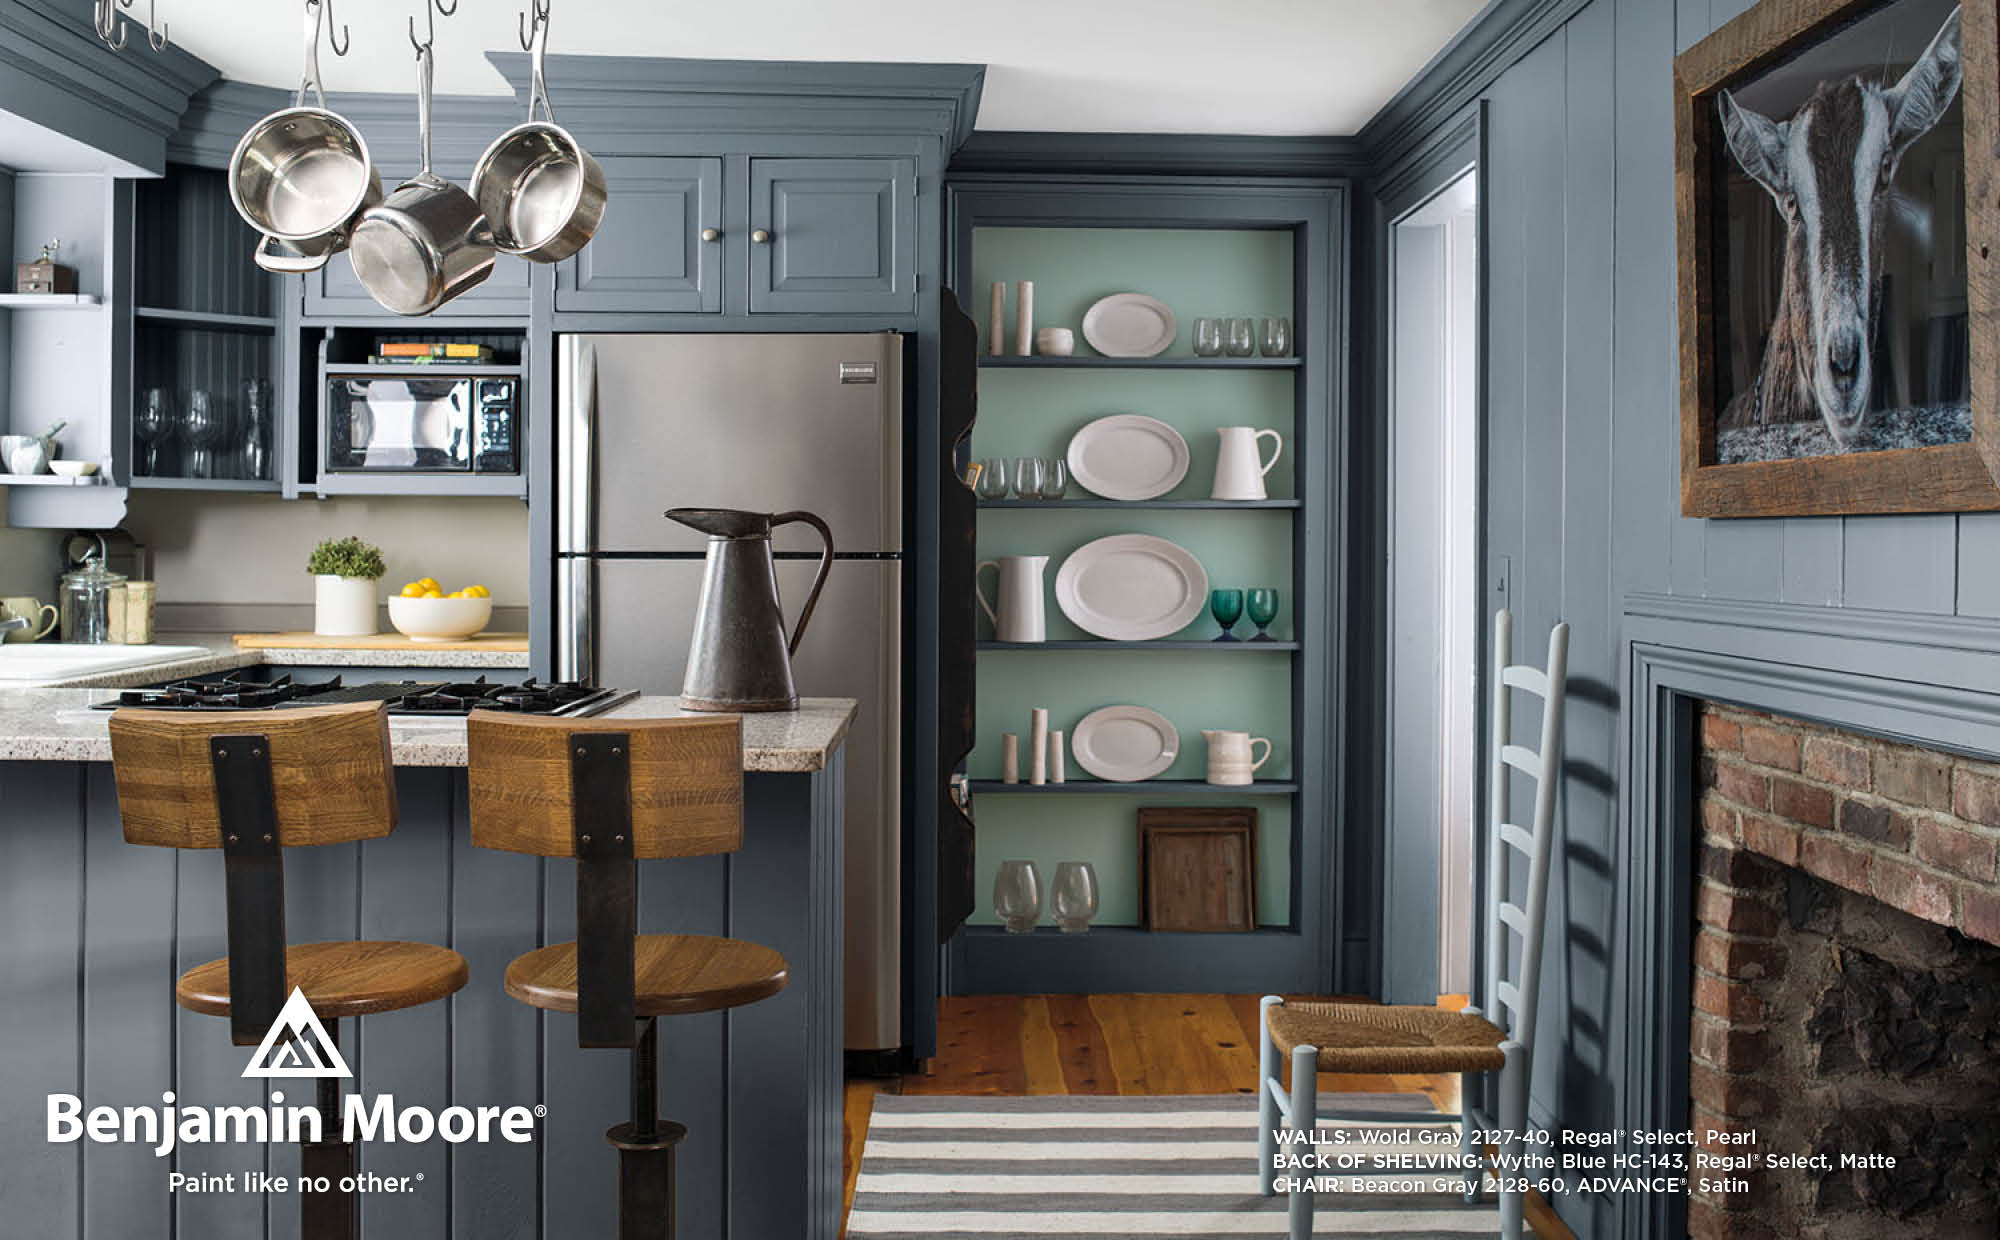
(1367, 1037)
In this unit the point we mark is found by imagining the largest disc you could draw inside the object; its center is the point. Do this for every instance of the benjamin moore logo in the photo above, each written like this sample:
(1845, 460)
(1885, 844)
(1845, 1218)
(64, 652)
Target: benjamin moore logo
(297, 1046)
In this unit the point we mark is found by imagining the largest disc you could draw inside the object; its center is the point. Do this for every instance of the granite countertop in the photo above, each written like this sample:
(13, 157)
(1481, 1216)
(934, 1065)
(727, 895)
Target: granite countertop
(224, 656)
(58, 725)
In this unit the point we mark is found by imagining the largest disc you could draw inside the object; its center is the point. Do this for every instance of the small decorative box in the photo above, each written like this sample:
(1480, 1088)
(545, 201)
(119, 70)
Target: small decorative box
(45, 274)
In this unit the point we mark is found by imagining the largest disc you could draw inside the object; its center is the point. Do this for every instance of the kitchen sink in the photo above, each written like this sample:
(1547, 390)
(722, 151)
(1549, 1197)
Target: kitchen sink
(24, 663)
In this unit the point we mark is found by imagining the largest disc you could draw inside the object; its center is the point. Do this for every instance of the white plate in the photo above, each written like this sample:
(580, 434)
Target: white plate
(1128, 456)
(1130, 325)
(1124, 744)
(1131, 588)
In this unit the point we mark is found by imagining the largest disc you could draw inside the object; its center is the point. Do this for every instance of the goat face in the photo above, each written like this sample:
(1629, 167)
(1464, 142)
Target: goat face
(1830, 169)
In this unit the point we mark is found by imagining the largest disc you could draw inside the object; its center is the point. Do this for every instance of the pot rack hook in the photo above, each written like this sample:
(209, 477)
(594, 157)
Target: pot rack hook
(534, 24)
(346, 39)
(156, 30)
(110, 24)
(430, 24)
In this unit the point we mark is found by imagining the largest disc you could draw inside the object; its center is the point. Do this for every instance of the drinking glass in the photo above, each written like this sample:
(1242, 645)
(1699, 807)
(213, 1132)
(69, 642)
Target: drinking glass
(1263, 609)
(1275, 340)
(257, 429)
(993, 478)
(1227, 608)
(1208, 337)
(1055, 477)
(201, 429)
(1028, 477)
(153, 422)
(1017, 896)
(1242, 340)
(1073, 897)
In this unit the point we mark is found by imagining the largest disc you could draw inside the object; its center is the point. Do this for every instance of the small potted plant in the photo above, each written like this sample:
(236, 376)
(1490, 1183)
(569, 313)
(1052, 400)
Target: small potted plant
(345, 571)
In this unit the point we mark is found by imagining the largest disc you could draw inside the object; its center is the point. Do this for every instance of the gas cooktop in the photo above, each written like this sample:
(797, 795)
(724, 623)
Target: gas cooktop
(406, 697)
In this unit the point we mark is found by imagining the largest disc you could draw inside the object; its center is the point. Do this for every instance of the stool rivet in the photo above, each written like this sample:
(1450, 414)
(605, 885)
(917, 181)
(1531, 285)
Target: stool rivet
(256, 753)
(615, 751)
(586, 839)
(267, 839)
(232, 839)
(579, 751)
(619, 838)
(221, 753)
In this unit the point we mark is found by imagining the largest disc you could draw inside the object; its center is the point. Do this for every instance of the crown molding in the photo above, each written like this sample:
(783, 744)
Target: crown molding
(1217, 155)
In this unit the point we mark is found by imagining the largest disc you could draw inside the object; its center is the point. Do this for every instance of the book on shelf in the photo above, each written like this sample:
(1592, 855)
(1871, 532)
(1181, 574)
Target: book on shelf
(423, 350)
(388, 359)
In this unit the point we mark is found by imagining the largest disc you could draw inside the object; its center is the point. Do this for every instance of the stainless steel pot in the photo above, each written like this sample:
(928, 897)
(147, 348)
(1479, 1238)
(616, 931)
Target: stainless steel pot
(428, 241)
(542, 192)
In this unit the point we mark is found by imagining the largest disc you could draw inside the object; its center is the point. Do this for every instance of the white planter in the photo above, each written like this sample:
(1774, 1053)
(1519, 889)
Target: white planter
(343, 606)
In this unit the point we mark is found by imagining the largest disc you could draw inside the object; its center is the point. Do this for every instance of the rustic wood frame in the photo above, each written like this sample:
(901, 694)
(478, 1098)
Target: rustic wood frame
(1200, 820)
(1947, 478)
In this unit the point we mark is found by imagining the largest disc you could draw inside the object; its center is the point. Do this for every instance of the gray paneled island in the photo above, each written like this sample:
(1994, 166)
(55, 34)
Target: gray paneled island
(96, 931)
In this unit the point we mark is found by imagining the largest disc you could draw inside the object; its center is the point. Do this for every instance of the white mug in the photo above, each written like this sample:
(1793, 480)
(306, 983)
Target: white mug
(1231, 757)
(1239, 473)
(1020, 614)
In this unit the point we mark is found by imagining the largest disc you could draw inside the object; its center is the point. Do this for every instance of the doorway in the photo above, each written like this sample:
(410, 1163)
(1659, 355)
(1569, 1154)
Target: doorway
(1434, 624)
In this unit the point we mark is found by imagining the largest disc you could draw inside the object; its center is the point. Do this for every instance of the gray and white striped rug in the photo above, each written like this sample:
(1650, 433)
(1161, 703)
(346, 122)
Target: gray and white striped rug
(1114, 1168)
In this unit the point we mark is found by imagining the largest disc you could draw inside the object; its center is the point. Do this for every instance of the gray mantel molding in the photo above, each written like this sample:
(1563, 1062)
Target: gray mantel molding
(1128, 154)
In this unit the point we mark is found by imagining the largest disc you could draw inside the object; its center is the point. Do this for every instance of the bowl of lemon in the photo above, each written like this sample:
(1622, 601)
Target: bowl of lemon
(424, 612)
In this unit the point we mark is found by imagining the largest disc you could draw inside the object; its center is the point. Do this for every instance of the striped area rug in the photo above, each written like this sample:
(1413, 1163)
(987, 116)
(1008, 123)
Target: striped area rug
(1114, 1168)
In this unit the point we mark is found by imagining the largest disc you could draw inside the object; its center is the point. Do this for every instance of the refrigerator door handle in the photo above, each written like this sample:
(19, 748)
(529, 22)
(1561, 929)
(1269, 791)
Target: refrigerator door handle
(574, 620)
(576, 455)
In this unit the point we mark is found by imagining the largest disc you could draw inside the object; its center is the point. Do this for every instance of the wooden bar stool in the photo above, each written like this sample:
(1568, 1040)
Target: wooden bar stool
(253, 783)
(609, 792)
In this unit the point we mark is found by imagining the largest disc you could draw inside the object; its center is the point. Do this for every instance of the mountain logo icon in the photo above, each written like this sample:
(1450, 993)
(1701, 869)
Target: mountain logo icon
(297, 1045)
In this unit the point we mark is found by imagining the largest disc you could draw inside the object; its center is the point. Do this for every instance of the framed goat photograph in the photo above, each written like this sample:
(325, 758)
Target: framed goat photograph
(1835, 192)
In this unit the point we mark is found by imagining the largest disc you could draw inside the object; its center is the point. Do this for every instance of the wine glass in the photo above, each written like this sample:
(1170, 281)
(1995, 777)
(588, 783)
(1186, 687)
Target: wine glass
(1242, 338)
(1028, 473)
(1017, 896)
(1208, 337)
(201, 430)
(1055, 477)
(1263, 609)
(1073, 898)
(153, 422)
(993, 478)
(1227, 607)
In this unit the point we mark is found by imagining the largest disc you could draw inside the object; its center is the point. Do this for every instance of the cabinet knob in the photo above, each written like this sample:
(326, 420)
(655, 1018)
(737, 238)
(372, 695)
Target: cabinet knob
(761, 237)
(711, 234)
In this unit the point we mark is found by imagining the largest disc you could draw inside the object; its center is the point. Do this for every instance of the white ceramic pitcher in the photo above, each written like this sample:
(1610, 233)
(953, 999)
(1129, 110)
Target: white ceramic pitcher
(1231, 757)
(1239, 467)
(1019, 617)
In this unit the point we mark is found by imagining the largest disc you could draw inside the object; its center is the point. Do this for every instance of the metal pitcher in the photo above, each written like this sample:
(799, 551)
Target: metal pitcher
(740, 658)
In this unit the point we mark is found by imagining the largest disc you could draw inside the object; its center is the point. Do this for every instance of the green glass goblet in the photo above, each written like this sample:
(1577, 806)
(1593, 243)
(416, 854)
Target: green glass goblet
(1227, 608)
(1263, 610)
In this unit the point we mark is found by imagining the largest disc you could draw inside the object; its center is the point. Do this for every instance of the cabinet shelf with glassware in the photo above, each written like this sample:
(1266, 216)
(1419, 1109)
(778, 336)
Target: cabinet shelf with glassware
(1204, 249)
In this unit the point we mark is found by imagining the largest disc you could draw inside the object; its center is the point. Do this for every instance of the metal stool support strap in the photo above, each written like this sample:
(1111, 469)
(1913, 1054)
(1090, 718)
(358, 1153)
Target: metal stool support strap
(607, 883)
(254, 883)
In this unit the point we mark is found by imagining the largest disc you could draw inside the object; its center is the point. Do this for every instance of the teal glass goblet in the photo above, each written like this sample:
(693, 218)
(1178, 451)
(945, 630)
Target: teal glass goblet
(1227, 608)
(1263, 610)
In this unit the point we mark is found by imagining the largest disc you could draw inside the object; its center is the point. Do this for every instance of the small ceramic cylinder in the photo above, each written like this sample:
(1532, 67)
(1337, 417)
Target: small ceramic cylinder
(1055, 757)
(1010, 758)
(1038, 745)
(1024, 319)
(996, 320)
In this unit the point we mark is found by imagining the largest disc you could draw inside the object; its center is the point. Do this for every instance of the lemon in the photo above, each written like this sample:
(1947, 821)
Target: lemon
(429, 583)
(415, 589)
(477, 592)
(433, 592)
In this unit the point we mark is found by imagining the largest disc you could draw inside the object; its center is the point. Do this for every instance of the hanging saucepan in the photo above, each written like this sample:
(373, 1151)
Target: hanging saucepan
(542, 192)
(286, 258)
(303, 173)
(427, 242)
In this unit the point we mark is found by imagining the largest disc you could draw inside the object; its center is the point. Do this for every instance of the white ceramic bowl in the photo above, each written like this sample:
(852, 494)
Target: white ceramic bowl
(73, 469)
(1055, 341)
(439, 619)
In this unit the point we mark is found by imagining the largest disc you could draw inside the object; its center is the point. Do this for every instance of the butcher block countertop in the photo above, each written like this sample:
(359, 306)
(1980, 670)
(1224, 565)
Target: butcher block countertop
(494, 650)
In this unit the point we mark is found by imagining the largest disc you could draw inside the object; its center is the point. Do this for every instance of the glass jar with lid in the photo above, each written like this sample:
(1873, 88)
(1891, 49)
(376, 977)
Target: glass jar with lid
(92, 604)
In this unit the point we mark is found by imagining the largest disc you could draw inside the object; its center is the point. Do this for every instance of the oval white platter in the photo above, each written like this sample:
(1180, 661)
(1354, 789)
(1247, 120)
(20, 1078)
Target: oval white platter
(1130, 325)
(1128, 456)
(1131, 588)
(1125, 744)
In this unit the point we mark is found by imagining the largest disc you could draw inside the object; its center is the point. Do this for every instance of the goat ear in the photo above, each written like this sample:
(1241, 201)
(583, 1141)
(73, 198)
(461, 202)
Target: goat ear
(1757, 141)
(1916, 102)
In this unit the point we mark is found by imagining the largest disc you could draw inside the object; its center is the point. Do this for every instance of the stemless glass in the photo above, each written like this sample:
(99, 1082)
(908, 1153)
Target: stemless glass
(1208, 337)
(153, 422)
(1242, 338)
(1017, 896)
(1028, 477)
(1263, 609)
(993, 478)
(1227, 608)
(1055, 477)
(1073, 897)
(1275, 339)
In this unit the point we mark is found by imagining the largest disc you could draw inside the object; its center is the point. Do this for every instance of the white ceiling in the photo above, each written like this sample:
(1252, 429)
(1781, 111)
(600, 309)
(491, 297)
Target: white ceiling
(1104, 66)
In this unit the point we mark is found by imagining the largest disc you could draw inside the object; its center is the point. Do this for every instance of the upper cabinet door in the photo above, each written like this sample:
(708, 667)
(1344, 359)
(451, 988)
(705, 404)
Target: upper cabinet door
(839, 236)
(648, 256)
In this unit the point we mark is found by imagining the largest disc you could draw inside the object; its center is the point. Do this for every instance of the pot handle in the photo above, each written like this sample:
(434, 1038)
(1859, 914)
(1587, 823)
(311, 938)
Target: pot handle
(819, 580)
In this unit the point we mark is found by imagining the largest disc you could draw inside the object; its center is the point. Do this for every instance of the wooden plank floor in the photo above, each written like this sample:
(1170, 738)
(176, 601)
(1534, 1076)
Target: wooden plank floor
(1014, 1045)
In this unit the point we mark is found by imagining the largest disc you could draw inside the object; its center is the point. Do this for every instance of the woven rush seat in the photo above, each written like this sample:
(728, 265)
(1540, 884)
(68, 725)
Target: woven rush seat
(1368, 1037)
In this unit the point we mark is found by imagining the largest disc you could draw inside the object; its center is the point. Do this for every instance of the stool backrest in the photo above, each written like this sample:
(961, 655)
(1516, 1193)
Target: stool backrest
(686, 783)
(332, 777)
(1518, 991)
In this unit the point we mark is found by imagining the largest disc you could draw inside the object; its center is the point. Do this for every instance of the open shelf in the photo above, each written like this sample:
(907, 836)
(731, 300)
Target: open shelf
(145, 483)
(206, 319)
(1143, 363)
(50, 480)
(1158, 505)
(984, 930)
(432, 370)
(1143, 788)
(1240, 646)
(50, 301)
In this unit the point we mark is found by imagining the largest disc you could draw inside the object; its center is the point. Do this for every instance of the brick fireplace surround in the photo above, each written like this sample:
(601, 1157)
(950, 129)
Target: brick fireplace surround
(1913, 829)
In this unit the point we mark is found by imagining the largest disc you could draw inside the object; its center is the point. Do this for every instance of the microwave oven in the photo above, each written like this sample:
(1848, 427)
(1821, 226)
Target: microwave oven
(469, 423)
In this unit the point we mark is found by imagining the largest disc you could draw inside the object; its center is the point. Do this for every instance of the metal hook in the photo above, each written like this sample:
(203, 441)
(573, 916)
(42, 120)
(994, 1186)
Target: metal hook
(534, 29)
(346, 39)
(106, 18)
(534, 23)
(156, 30)
(430, 25)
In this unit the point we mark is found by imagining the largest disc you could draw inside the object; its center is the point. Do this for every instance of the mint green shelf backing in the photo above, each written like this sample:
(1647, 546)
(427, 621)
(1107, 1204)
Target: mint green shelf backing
(1197, 272)
(1105, 832)
(1035, 413)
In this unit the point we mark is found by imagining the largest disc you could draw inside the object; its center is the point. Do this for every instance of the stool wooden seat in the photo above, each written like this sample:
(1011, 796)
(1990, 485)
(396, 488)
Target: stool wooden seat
(672, 975)
(341, 979)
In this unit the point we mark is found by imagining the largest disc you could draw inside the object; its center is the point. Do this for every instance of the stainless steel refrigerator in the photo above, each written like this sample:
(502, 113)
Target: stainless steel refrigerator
(765, 423)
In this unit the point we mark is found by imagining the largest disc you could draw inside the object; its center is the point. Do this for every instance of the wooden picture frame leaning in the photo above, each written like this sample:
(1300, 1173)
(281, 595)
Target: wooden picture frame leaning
(1949, 477)
(1198, 869)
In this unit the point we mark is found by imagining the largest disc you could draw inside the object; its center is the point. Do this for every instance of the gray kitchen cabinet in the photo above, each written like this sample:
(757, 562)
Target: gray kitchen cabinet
(838, 236)
(649, 255)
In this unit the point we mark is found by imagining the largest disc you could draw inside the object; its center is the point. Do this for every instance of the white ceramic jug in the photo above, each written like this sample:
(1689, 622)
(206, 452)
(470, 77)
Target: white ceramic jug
(1019, 617)
(1230, 759)
(1239, 469)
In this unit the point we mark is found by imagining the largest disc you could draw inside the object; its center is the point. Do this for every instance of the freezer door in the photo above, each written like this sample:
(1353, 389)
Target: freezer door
(762, 422)
(643, 617)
